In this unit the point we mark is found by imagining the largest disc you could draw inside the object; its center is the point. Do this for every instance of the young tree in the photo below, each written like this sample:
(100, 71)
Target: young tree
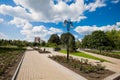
(68, 38)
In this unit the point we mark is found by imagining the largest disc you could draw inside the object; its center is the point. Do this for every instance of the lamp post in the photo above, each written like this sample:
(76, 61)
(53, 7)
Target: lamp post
(68, 24)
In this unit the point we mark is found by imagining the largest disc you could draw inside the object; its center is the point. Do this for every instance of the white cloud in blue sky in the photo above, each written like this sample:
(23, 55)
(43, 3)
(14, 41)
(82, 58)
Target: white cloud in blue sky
(24, 13)
(3, 36)
(47, 11)
(115, 1)
(1, 20)
(84, 30)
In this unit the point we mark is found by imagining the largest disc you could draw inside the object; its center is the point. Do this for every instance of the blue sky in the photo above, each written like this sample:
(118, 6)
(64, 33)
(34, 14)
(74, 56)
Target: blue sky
(25, 19)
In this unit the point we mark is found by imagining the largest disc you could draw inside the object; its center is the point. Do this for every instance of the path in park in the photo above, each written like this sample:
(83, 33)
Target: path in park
(114, 66)
(37, 66)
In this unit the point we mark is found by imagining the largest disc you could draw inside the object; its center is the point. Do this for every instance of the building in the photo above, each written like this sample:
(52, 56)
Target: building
(37, 40)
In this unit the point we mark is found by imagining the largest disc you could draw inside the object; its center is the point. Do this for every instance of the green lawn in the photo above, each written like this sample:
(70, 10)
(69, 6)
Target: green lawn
(116, 52)
(81, 54)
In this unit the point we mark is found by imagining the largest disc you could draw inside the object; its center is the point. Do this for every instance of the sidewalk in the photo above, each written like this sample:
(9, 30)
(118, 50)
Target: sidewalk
(114, 66)
(37, 66)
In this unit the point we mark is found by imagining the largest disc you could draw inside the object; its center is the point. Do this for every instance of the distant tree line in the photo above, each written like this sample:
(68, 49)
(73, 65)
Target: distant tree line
(101, 40)
(62, 41)
(17, 43)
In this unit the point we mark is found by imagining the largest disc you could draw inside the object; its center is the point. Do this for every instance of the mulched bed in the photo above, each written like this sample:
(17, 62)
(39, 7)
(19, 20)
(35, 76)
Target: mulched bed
(9, 64)
(92, 75)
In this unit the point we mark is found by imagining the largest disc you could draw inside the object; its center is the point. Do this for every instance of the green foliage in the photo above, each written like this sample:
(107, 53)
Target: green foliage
(86, 41)
(97, 40)
(78, 44)
(13, 43)
(43, 43)
(54, 45)
(54, 38)
(114, 36)
(81, 54)
(110, 54)
(68, 38)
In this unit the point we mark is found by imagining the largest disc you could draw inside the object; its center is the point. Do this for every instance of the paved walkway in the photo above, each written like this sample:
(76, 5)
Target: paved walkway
(37, 66)
(114, 66)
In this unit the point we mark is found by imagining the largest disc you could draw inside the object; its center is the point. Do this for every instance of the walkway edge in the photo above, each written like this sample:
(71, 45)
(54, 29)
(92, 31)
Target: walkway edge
(112, 77)
(18, 68)
(70, 72)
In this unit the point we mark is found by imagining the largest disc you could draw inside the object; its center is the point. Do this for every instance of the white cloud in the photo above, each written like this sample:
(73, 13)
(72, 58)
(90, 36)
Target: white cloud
(115, 1)
(47, 11)
(30, 31)
(16, 11)
(80, 39)
(93, 6)
(76, 36)
(18, 22)
(53, 30)
(3, 36)
(1, 20)
(88, 29)
(43, 32)
(118, 24)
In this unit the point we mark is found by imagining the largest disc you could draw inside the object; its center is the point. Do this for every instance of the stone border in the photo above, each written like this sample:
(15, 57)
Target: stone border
(112, 77)
(18, 68)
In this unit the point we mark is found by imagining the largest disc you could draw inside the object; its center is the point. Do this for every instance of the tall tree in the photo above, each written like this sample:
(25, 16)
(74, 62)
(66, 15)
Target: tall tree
(97, 40)
(78, 44)
(86, 42)
(100, 40)
(114, 36)
(54, 38)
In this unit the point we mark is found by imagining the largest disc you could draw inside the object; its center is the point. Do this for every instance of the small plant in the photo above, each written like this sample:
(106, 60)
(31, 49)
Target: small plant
(8, 57)
(83, 65)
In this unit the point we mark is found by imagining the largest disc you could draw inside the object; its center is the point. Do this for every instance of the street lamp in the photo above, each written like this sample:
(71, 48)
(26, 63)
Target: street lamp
(68, 24)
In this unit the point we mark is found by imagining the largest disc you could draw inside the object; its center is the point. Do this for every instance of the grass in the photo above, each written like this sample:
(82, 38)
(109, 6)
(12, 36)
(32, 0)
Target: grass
(81, 54)
(109, 54)
(116, 52)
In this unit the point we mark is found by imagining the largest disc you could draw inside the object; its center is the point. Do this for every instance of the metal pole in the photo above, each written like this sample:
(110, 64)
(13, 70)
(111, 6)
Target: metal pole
(68, 48)
(68, 23)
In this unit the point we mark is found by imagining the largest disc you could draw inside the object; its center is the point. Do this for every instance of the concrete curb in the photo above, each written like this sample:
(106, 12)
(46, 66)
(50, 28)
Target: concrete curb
(67, 70)
(112, 77)
(18, 68)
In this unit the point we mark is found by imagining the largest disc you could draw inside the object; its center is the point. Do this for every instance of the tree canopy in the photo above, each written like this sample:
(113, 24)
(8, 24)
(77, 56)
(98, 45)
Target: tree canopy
(54, 38)
(68, 38)
(97, 40)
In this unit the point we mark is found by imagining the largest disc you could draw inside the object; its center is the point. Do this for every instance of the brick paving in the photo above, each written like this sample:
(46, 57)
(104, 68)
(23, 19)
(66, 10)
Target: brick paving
(37, 66)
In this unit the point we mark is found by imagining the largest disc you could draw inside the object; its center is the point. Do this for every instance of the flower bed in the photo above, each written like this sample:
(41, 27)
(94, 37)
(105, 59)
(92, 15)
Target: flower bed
(9, 57)
(83, 67)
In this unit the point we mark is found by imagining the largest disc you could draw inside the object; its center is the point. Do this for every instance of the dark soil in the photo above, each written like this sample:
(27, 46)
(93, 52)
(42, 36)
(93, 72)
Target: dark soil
(98, 75)
(10, 69)
(91, 76)
(9, 72)
(117, 78)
